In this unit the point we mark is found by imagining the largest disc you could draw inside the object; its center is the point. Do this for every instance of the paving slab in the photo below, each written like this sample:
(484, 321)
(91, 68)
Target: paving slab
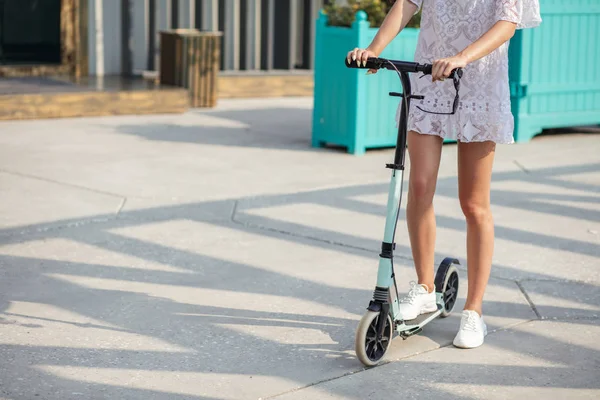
(29, 201)
(215, 255)
(563, 300)
(211, 302)
(245, 149)
(530, 242)
(534, 360)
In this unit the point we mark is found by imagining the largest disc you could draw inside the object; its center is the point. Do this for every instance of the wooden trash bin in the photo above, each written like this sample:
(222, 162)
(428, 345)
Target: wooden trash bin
(191, 59)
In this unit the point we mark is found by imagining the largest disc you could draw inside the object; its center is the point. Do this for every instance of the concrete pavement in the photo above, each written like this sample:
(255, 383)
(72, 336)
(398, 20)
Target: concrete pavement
(215, 255)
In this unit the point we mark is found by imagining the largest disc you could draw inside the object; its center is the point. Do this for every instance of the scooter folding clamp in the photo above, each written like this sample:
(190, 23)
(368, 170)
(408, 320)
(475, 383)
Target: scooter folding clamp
(387, 250)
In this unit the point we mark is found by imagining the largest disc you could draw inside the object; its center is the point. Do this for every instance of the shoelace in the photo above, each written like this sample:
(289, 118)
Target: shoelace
(412, 293)
(471, 323)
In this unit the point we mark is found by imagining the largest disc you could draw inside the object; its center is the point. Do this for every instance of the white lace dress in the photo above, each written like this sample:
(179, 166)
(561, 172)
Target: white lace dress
(484, 112)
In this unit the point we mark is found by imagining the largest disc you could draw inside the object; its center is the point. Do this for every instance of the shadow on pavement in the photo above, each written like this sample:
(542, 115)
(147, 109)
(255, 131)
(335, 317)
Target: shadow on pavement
(141, 301)
(283, 128)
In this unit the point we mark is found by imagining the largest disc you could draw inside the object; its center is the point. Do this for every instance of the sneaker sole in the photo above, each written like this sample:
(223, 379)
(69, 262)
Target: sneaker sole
(462, 346)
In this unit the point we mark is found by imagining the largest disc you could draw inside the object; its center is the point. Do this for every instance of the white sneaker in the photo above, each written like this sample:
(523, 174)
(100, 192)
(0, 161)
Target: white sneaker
(418, 301)
(472, 330)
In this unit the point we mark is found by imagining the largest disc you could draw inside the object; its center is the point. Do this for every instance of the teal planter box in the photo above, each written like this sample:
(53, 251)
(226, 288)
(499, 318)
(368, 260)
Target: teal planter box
(351, 109)
(555, 69)
(554, 74)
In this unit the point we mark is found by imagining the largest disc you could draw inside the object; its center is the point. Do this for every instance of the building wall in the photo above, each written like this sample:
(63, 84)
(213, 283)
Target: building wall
(140, 39)
(257, 34)
(105, 37)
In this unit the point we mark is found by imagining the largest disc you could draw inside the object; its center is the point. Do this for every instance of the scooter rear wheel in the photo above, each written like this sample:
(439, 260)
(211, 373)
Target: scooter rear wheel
(447, 283)
(369, 349)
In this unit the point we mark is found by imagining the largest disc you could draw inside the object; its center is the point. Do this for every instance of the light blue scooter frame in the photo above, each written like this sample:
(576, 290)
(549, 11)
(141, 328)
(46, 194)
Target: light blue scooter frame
(385, 272)
(385, 297)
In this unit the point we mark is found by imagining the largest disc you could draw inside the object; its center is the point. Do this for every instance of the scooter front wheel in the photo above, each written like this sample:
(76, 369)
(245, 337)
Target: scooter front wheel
(369, 349)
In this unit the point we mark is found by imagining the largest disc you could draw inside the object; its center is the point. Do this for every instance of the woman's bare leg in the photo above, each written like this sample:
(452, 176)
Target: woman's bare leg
(425, 152)
(475, 161)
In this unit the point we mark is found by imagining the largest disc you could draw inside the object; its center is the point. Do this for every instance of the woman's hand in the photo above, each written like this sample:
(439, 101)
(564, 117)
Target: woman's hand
(361, 56)
(442, 68)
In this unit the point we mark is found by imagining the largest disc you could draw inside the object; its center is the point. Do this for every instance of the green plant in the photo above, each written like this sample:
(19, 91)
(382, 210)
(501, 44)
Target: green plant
(343, 15)
(415, 21)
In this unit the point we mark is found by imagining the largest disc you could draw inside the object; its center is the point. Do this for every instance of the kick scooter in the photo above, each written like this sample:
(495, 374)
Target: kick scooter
(383, 319)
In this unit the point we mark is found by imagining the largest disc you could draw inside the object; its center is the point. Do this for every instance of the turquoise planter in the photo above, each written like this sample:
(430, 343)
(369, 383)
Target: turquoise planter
(553, 72)
(555, 69)
(351, 109)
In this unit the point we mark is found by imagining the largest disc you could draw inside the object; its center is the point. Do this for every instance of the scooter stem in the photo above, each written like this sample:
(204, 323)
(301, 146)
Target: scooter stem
(399, 157)
(386, 275)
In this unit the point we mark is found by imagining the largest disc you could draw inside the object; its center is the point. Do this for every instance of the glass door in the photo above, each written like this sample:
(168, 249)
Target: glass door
(30, 32)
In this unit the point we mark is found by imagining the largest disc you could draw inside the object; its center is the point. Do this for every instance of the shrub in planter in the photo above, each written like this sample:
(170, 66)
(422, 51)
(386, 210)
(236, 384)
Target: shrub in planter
(344, 15)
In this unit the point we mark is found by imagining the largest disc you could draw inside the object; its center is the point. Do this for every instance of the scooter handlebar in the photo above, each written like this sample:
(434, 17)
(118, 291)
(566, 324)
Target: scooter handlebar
(402, 66)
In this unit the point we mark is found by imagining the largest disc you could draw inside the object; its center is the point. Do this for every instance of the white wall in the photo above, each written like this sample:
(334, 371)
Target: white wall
(139, 32)
(106, 58)
(111, 30)
(186, 15)
(111, 44)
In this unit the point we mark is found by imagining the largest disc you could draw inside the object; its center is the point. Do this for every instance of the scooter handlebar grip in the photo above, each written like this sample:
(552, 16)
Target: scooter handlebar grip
(371, 64)
(427, 69)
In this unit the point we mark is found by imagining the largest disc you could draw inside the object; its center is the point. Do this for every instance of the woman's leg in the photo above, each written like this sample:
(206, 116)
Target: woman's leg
(475, 161)
(425, 152)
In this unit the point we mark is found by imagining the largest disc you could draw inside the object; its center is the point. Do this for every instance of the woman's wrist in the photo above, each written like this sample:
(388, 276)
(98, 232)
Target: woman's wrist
(464, 56)
(374, 49)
